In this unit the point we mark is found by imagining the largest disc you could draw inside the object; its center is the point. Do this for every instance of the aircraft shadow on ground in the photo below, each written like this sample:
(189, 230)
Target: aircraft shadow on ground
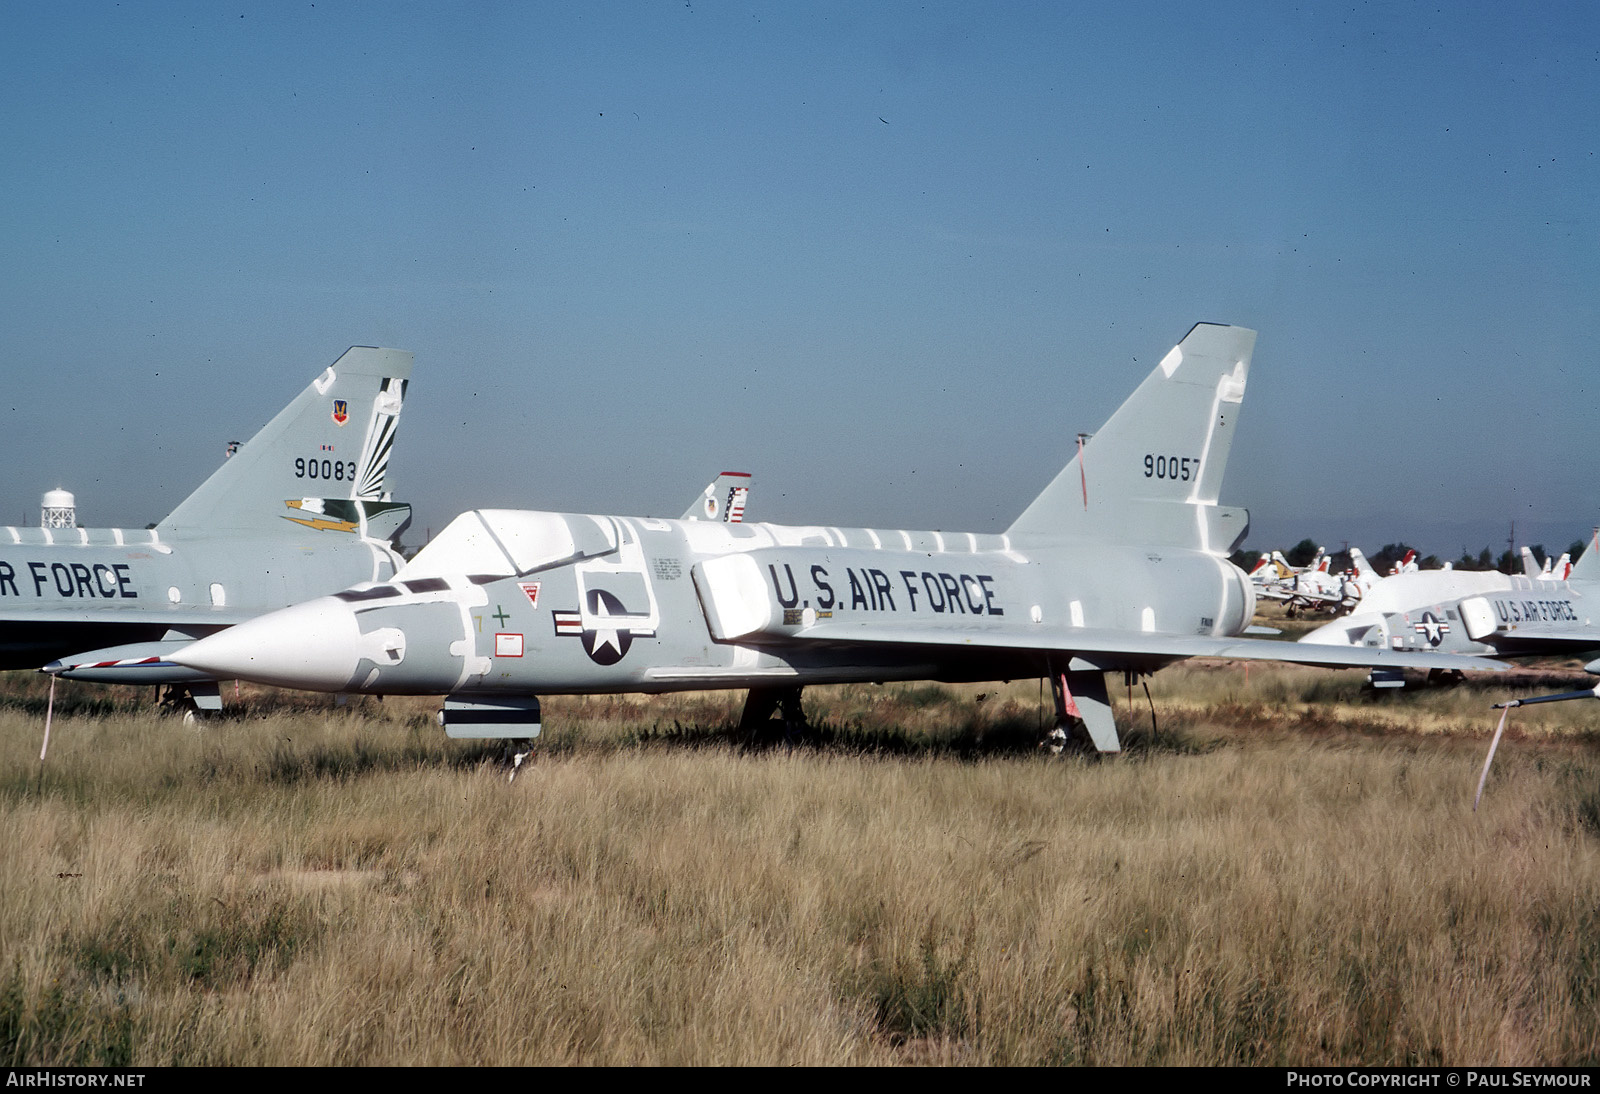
(1007, 738)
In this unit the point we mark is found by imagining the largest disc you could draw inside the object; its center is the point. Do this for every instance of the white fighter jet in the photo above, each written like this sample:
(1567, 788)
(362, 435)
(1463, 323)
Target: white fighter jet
(1477, 613)
(1119, 565)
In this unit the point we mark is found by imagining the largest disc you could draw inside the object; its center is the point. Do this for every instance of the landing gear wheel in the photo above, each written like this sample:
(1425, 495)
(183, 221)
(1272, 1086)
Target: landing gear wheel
(518, 751)
(197, 702)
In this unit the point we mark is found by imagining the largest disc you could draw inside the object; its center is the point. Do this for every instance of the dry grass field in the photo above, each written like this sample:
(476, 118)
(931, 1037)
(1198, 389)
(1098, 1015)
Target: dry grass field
(1288, 870)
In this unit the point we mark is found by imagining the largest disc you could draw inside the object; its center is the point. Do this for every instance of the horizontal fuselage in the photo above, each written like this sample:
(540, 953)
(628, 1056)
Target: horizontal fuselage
(510, 602)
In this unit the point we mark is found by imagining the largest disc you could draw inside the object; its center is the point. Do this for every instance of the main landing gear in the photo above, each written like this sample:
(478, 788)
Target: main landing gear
(1081, 700)
(196, 700)
(756, 723)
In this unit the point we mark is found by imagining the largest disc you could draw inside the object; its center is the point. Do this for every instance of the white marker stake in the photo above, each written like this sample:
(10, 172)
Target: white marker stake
(1489, 759)
(1083, 475)
(49, 709)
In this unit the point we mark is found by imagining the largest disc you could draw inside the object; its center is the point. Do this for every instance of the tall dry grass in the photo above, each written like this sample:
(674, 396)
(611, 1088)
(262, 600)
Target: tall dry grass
(1287, 871)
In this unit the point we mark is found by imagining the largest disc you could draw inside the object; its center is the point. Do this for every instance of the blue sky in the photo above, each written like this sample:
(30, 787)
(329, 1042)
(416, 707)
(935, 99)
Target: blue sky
(888, 257)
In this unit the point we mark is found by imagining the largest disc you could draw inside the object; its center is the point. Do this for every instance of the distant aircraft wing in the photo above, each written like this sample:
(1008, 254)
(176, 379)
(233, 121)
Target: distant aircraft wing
(1117, 649)
(1318, 597)
(175, 615)
(111, 639)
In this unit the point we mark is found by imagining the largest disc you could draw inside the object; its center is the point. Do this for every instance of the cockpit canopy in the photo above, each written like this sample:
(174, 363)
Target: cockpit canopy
(511, 543)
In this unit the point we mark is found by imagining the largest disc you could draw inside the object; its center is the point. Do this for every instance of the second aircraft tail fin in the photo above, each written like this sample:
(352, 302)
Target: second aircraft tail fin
(1363, 568)
(1587, 568)
(320, 465)
(724, 500)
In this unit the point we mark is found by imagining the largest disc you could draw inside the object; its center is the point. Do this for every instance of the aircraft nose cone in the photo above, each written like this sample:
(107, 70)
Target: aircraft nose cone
(314, 646)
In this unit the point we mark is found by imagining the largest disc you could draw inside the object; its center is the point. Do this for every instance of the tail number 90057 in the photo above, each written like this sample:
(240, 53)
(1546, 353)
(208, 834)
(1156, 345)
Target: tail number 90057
(337, 470)
(1177, 468)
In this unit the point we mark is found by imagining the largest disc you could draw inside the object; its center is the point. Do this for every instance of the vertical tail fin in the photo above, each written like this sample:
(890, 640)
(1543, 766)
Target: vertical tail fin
(1364, 568)
(1152, 473)
(321, 465)
(1587, 568)
(724, 500)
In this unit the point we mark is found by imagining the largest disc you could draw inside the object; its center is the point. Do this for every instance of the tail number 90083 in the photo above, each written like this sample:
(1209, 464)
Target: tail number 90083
(1178, 468)
(337, 470)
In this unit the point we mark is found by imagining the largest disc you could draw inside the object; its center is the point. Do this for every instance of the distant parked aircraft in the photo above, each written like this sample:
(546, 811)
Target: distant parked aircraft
(300, 510)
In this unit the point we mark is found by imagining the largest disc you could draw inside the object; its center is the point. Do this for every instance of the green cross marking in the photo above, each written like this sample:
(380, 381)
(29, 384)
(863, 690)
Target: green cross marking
(500, 614)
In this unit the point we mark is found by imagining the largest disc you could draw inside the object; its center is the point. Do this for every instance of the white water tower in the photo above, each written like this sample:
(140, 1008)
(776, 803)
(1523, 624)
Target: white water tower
(59, 510)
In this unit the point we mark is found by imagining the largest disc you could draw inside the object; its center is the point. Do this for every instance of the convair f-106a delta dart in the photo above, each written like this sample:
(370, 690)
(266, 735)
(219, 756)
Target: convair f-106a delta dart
(1120, 565)
(301, 509)
(1479, 613)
